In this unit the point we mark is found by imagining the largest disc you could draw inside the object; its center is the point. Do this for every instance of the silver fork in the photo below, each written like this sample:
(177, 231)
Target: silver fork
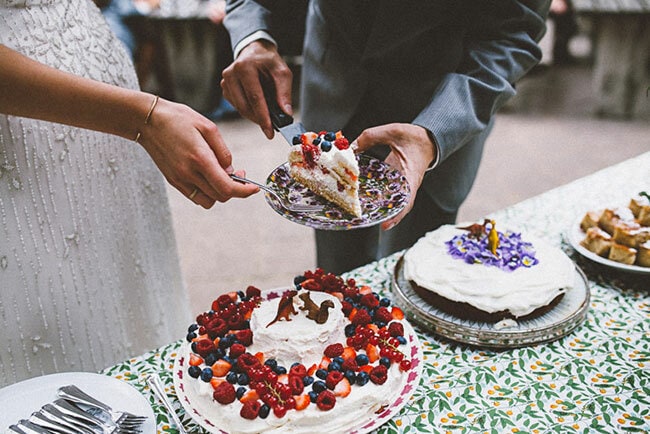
(293, 207)
(121, 418)
(63, 409)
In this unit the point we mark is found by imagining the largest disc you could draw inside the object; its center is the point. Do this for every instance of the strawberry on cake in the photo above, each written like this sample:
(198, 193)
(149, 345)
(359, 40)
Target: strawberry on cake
(325, 163)
(324, 356)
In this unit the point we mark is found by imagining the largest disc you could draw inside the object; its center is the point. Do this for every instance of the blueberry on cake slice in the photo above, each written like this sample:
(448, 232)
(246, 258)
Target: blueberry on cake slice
(325, 163)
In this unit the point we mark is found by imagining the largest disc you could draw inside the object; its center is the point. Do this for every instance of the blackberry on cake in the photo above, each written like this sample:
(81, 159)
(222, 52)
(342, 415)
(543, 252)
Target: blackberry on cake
(325, 163)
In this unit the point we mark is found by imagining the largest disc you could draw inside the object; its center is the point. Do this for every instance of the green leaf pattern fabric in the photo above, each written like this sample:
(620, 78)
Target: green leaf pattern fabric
(595, 380)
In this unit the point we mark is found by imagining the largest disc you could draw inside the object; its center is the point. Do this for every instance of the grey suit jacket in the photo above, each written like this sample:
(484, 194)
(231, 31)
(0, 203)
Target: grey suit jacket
(446, 65)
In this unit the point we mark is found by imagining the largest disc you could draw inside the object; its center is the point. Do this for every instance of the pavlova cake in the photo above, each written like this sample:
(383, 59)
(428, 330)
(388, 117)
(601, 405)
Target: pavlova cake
(325, 163)
(476, 272)
(320, 357)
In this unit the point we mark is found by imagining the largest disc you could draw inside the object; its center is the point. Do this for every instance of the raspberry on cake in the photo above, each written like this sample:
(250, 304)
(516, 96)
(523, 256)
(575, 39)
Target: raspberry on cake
(454, 269)
(304, 364)
(326, 164)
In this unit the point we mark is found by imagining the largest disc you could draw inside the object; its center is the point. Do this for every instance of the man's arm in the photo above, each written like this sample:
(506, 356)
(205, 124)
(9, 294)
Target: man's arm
(500, 48)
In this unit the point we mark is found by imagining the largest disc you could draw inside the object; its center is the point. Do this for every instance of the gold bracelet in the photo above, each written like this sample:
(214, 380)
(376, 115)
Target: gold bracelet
(148, 118)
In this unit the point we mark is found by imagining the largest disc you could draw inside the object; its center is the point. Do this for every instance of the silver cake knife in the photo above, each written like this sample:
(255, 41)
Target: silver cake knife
(282, 122)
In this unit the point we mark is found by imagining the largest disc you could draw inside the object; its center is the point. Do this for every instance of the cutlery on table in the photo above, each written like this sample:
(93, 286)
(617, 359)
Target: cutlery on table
(122, 419)
(27, 427)
(158, 389)
(17, 429)
(292, 207)
(55, 424)
(63, 410)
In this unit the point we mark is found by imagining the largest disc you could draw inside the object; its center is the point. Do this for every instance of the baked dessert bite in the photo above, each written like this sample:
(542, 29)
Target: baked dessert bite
(475, 272)
(590, 220)
(637, 202)
(620, 232)
(325, 163)
(622, 254)
(319, 357)
(643, 255)
(625, 233)
(644, 215)
(597, 241)
(610, 217)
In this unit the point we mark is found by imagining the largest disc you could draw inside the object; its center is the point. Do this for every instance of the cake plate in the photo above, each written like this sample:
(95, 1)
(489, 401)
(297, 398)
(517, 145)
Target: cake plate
(383, 192)
(554, 324)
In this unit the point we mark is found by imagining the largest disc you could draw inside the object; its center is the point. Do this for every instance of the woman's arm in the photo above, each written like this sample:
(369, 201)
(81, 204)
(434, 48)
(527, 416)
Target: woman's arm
(186, 147)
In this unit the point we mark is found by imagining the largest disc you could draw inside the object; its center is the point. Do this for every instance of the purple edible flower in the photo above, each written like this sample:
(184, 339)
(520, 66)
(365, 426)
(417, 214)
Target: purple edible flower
(512, 252)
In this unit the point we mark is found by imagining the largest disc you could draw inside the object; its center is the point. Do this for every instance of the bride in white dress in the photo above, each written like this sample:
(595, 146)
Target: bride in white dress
(88, 269)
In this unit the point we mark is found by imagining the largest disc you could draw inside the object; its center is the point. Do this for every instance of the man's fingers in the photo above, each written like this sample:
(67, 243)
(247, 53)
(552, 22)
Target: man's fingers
(252, 86)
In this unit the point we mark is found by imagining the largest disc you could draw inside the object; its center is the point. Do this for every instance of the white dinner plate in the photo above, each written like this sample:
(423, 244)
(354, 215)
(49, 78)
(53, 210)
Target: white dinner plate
(20, 400)
(574, 235)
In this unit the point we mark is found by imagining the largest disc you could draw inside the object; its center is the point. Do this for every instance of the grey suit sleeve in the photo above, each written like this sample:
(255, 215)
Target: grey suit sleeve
(500, 48)
(245, 17)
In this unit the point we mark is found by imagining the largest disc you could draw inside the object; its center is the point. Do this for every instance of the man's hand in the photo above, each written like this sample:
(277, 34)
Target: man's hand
(241, 83)
(412, 151)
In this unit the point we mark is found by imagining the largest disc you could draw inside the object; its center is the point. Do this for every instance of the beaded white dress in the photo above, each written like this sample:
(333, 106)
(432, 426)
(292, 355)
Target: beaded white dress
(89, 274)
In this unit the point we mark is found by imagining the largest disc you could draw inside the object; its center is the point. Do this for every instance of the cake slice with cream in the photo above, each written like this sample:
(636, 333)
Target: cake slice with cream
(325, 163)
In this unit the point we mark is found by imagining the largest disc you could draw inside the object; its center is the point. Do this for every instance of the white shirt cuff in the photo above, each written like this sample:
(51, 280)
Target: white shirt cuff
(256, 36)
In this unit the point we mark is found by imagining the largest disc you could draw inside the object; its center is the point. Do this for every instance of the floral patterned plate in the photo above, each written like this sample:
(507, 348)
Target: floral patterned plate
(554, 324)
(199, 407)
(383, 192)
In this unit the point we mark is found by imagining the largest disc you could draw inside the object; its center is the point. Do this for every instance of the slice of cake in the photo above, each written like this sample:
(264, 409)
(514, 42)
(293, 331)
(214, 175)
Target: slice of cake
(476, 273)
(326, 164)
(323, 356)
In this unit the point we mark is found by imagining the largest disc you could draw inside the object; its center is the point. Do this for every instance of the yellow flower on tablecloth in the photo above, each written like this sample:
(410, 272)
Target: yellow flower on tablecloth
(398, 422)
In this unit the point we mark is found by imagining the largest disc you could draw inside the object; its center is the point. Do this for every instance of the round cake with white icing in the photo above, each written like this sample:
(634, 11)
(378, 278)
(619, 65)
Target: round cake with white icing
(321, 357)
(477, 273)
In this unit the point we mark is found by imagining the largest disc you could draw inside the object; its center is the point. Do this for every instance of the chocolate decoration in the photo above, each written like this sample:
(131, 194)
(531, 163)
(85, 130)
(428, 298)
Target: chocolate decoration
(285, 308)
(320, 314)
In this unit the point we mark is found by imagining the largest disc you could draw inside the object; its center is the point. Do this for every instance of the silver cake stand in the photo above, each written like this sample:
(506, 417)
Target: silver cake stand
(554, 324)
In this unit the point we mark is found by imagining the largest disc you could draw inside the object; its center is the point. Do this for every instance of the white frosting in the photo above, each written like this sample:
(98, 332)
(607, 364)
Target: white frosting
(299, 340)
(361, 404)
(304, 340)
(489, 289)
(341, 166)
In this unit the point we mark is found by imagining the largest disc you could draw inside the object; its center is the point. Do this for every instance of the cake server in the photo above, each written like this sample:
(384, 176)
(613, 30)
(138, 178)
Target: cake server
(157, 388)
(282, 122)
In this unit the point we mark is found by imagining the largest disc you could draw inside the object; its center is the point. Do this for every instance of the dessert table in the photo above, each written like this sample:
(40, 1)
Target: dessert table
(596, 379)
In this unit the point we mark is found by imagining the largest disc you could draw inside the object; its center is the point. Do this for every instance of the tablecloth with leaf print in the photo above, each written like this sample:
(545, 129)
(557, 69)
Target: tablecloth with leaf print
(597, 379)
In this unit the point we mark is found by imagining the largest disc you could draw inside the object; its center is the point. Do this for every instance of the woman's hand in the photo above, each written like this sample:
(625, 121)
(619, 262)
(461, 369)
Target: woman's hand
(190, 153)
(241, 83)
(412, 151)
